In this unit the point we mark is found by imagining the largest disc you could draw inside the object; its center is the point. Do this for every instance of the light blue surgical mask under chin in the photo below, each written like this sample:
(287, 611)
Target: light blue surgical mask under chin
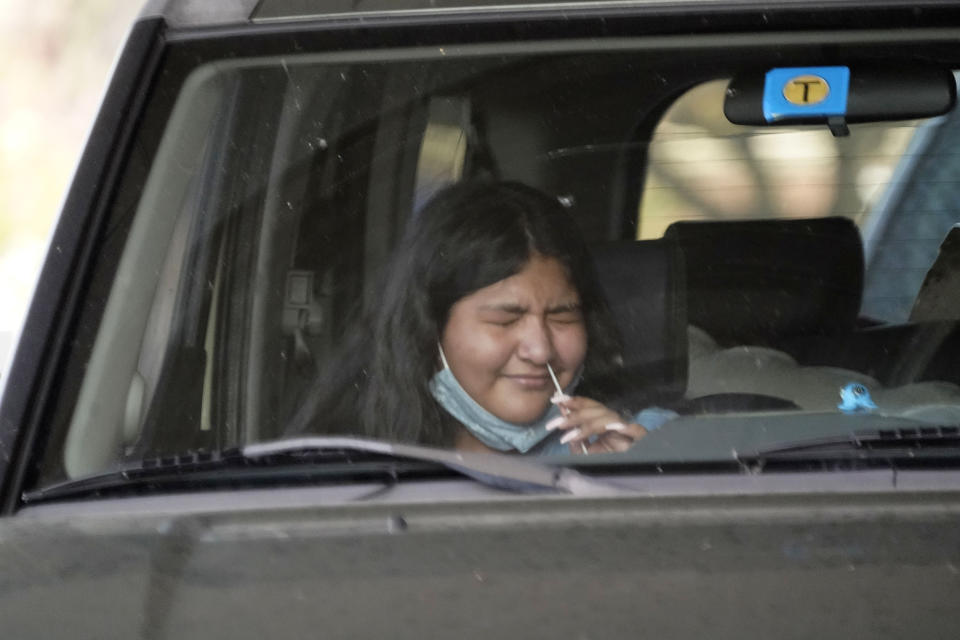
(489, 429)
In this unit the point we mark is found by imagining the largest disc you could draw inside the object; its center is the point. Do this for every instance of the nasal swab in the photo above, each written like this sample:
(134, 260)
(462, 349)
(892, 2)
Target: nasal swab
(559, 397)
(556, 382)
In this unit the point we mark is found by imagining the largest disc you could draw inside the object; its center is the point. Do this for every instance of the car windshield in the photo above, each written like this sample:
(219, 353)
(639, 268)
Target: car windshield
(776, 282)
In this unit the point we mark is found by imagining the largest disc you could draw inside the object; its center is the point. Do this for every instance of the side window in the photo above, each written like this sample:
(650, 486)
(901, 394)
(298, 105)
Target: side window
(275, 194)
(133, 344)
(271, 198)
(701, 167)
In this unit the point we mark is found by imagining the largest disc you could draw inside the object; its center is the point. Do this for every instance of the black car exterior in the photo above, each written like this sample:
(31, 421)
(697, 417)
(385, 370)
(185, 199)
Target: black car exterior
(830, 547)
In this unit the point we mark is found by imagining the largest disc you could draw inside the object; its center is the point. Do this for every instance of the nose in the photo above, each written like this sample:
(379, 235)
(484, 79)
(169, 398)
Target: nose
(535, 342)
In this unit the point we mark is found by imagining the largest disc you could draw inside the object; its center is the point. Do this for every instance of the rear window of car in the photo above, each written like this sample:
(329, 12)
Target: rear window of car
(890, 178)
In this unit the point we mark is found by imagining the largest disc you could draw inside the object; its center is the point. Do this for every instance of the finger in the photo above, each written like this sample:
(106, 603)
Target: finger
(603, 428)
(586, 409)
(575, 403)
(563, 423)
(603, 444)
(560, 400)
(598, 422)
(560, 422)
(593, 414)
(610, 442)
(579, 418)
(630, 430)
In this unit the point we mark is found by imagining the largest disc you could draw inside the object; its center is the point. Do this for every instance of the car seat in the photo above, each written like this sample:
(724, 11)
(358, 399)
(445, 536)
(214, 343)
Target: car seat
(643, 284)
(763, 282)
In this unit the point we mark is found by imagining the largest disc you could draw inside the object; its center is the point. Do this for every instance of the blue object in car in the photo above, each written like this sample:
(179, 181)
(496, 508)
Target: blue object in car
(805, 92)
(855, 398)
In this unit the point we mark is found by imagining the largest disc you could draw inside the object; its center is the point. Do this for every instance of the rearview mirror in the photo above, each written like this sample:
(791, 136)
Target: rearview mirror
(838, 95)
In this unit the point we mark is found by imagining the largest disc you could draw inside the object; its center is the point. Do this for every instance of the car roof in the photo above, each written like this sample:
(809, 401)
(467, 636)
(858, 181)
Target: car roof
(202, 13)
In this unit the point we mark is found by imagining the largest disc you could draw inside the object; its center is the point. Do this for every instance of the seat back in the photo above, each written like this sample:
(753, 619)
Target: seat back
(760, 282)
(643, 283)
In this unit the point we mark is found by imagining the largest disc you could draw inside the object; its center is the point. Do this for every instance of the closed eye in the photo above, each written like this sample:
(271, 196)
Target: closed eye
(566, 314)
(502, 318)
(566, 317)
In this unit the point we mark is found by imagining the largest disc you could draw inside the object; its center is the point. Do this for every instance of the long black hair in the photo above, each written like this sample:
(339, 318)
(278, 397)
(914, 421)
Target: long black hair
(467, 237)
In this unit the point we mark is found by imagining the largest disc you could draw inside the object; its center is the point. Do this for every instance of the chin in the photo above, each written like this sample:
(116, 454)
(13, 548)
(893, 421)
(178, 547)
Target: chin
(524, 415)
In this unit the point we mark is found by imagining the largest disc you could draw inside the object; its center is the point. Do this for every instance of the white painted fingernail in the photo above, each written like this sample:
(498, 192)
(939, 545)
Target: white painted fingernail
(616, 426)
(553, 424)
(575, 433)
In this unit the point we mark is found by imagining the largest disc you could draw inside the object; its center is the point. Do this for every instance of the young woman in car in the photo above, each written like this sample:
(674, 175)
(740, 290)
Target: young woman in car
(491, 284)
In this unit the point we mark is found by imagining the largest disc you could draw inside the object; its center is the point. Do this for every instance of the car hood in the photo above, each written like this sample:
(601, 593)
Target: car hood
(552, 567)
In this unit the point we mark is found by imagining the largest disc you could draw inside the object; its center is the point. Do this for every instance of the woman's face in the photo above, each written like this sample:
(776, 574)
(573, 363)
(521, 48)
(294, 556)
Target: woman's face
(499, 339)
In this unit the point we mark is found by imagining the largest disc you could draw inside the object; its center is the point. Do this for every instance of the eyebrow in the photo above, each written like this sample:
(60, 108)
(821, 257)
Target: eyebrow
(518, 309)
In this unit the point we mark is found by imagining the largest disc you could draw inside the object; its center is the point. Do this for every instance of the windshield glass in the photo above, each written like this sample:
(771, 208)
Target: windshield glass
(327, 244)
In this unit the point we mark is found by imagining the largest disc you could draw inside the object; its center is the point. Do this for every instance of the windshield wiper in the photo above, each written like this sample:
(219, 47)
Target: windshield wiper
(339, 459)
(922, 445)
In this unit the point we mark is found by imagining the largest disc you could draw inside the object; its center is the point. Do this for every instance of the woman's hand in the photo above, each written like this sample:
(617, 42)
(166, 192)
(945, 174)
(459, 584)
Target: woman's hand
(593, 428)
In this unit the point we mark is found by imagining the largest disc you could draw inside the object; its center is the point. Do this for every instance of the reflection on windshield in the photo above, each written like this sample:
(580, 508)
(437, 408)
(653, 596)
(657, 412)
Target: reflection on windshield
(297, 262)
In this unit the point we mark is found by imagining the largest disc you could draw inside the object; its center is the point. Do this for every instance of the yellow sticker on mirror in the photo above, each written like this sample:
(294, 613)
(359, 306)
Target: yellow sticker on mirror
(806, 90)
(805, 93)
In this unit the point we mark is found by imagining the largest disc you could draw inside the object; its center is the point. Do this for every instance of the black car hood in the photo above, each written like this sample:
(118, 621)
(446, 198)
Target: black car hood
(857, 566)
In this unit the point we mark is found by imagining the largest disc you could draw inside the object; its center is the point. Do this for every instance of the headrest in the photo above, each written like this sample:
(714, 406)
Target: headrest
(643, 284)
(759, 281)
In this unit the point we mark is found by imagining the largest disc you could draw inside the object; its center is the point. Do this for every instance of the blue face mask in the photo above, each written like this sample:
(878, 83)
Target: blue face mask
(489, 429)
